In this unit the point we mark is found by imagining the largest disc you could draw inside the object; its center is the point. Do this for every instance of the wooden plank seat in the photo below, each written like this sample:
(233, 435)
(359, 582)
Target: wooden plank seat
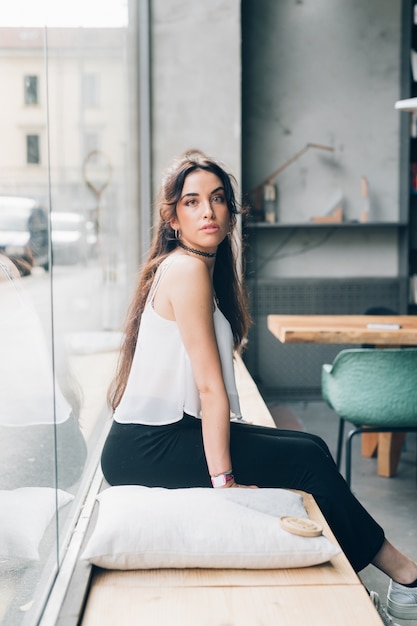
(330, 593)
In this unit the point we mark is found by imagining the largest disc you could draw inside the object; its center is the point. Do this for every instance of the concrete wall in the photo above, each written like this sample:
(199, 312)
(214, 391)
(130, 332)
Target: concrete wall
(196, 81)
(327, 72)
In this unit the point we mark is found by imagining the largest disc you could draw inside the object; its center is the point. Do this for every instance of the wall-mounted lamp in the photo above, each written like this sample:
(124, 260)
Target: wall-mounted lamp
(266, 193)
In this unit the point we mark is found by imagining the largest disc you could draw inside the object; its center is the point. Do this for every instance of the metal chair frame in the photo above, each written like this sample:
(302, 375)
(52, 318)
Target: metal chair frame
(357, 431)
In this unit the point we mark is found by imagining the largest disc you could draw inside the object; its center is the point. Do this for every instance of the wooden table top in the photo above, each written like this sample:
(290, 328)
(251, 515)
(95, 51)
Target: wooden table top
(390, 330)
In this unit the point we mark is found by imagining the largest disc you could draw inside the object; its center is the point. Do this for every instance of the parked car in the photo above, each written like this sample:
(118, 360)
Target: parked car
(71, 238)
(24, 232)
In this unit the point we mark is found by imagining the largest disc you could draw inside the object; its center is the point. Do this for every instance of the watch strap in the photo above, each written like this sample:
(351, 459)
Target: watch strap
(220, 480)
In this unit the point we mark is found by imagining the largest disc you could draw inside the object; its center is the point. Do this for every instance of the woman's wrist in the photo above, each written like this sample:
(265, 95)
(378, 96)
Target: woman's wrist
(222, 479)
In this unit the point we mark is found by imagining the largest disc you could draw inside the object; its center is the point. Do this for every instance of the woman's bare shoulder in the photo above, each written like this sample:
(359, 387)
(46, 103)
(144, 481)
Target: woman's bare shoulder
(188, 281)
(187, 267)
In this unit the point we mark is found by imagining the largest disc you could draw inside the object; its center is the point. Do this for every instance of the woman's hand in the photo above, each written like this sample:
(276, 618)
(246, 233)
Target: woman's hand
(233, 485)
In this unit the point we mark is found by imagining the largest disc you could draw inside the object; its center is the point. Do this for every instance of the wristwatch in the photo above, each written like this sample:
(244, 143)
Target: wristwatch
(220, 480)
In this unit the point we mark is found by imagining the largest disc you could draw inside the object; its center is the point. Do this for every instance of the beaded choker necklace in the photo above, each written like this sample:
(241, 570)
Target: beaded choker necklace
(209, 255)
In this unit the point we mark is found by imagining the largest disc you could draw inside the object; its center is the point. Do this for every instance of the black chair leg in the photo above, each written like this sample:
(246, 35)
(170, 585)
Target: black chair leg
(348, 453)
(350, 436)
(340, 443)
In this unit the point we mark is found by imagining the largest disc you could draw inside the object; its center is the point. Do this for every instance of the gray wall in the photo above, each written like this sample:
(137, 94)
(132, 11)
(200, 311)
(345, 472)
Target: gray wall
(196, 81)
(327, 72)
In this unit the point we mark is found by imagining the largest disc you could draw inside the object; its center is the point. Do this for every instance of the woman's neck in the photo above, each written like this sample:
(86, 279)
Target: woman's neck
(207, 255)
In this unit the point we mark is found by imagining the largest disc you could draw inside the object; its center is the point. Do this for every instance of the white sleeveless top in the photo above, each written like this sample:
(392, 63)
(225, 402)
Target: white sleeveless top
(161, 385)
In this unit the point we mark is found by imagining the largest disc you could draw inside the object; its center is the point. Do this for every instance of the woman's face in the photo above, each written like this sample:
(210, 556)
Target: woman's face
(202, 214)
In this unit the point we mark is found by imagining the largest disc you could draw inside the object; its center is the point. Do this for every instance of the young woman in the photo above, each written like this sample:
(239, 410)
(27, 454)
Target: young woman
(176, 410)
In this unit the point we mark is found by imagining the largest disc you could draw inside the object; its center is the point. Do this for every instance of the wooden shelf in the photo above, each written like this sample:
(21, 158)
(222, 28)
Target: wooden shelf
(321, 225)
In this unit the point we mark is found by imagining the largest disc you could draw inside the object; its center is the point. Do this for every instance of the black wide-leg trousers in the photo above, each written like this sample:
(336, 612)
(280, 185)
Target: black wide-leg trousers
(172, 456)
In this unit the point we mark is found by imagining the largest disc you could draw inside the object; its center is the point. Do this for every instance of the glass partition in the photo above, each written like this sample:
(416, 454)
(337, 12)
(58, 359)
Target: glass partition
(65, 202)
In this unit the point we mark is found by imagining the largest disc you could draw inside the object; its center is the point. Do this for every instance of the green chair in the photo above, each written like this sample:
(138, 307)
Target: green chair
(372, 388)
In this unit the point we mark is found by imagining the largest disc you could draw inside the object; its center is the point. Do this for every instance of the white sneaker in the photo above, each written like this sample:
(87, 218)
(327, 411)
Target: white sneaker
(402, 601)
(386, 619)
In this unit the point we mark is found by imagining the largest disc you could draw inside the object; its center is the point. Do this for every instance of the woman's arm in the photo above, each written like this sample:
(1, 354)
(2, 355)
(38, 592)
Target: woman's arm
(186, 295)
(193, 307)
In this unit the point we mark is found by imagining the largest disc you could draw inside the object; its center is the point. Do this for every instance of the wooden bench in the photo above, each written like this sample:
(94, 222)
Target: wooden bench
(327, 594)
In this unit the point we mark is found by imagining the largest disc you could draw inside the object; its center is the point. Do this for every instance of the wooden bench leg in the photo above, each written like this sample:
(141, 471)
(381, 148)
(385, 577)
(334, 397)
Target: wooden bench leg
(389, 452)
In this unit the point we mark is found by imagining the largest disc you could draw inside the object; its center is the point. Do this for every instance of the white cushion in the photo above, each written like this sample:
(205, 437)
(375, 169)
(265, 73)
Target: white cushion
(24, 516)
(143, 528)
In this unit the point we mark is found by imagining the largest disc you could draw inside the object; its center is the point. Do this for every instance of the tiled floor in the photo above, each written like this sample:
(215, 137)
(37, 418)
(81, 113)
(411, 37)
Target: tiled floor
(392, 501)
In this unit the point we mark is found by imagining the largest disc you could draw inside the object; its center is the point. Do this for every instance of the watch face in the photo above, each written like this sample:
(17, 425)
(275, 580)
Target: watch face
(219, 481)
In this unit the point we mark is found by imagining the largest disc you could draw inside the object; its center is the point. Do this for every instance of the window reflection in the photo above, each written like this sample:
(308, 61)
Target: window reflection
(24, 233)
(33, 453)
(63, 287)
(42, 449)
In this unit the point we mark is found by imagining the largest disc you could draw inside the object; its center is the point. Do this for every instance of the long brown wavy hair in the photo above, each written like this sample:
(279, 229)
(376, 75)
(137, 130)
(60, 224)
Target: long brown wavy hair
(227, 284)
